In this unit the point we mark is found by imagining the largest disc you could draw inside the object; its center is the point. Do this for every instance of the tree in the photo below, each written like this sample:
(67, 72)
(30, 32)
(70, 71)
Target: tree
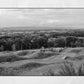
(60, 42)
(70, 41)
(52, 42)
(78, 43)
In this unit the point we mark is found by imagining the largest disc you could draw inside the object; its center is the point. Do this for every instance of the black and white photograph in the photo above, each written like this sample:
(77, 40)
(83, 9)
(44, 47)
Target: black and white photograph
(42, 42)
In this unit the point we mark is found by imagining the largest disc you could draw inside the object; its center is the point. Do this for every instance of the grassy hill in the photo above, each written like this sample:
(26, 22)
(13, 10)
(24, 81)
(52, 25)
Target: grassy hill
(39, 62)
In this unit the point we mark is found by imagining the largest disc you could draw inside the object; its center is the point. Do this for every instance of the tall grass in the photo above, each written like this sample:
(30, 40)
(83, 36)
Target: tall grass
(15, 71)
(8, 72)
(30, 66)
(67, 69)
(49, 73)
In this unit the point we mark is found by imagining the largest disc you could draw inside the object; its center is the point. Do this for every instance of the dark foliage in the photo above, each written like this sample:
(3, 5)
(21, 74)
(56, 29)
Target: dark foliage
(37, 40)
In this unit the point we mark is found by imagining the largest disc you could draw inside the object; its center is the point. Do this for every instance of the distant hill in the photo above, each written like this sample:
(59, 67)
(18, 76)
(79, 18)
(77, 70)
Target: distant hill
(39, 28)
(62, 28)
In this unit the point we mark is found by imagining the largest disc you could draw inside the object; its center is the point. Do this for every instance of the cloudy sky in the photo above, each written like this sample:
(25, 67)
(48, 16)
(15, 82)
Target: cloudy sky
(41, 3)
(41, 17)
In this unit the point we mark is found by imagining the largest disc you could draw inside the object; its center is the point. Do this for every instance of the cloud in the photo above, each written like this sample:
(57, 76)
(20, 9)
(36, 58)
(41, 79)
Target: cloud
(41, 17)
(52, 21)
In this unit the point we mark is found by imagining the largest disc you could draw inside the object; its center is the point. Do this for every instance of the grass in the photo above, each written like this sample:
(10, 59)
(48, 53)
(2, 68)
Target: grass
(67, 69)
(10, 71)
(22, 53)
(30, 66)
(80, 71)
(81, 57)
(75, 51)
(10, 58)
(42, 55)
(49, 73)
(77, 58)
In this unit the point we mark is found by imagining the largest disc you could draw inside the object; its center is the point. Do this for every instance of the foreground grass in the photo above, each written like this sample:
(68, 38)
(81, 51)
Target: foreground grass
(30, 66)
(18, 70)
(67, 69)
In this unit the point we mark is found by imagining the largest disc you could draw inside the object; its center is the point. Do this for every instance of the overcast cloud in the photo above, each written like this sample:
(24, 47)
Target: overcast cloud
(41, 17)
(41, 3)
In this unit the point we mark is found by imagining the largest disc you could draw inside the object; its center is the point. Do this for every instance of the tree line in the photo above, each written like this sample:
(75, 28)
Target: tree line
(36, 41)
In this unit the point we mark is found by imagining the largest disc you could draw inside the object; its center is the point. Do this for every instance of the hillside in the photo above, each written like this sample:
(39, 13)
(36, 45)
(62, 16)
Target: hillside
(38, 62)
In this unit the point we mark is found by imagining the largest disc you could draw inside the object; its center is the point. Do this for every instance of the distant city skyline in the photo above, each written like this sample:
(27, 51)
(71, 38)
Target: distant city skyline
(41, 17)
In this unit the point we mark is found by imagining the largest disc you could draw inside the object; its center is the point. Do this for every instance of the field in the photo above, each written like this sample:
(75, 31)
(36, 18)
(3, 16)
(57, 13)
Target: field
(39, 62)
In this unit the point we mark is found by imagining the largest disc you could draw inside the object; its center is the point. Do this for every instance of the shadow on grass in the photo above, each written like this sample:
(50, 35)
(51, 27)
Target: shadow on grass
(24, 52)
(75, 51)
(30, 66)
(11, 58)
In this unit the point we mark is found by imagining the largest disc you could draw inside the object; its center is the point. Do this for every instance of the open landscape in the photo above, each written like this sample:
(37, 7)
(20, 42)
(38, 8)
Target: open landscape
(42, 53)
(39, 63)
(41, 42)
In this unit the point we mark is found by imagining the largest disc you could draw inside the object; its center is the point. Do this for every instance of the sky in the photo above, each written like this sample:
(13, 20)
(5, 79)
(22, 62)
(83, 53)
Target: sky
(41, 17)
(41, 3)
